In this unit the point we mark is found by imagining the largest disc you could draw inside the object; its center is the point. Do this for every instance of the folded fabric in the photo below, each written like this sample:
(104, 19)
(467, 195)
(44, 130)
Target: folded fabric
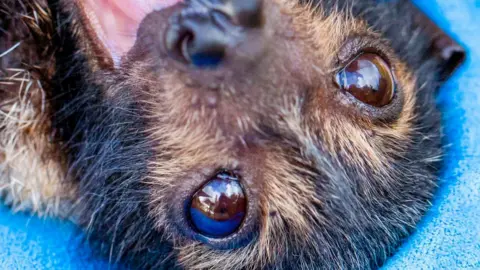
(447, 238)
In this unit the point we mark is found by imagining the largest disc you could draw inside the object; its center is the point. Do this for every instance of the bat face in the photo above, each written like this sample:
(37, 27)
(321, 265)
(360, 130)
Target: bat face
(249, 134)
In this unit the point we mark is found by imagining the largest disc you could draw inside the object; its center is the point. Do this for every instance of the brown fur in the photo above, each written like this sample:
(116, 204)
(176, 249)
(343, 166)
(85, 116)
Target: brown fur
(282, 128)
(192, 130)
(32, 172)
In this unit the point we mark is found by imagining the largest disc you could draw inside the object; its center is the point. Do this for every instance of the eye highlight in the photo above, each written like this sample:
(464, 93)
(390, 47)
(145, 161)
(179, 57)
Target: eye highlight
(218, 208)
(369, 79)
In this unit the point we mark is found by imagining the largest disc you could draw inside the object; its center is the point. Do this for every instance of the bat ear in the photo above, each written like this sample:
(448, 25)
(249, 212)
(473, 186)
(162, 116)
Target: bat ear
(449, 52)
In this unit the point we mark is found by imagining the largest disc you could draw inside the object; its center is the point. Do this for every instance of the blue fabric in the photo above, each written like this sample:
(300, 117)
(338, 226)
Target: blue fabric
(32, 243)
(447, 238)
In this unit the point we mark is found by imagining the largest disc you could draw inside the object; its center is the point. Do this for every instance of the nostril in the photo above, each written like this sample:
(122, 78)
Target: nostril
(201, 52)
(218, 208)
(184, 45)
(202, 31)
(205, 51)
(177, 39)
(195, 38)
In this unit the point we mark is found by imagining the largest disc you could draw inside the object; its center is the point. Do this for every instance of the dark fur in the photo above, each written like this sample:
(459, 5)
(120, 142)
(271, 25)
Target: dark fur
(108, 150)
(114, 197)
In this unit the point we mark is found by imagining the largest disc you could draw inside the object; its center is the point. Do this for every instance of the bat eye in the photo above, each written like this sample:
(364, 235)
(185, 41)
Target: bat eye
(218, 208)
(369, 79)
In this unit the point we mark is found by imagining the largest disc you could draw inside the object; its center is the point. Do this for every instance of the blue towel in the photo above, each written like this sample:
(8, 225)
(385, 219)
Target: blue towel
(447, 238)
(32, 243)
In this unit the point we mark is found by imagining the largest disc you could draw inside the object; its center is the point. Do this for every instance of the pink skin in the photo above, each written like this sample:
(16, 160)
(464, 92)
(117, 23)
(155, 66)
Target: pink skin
(115, 22)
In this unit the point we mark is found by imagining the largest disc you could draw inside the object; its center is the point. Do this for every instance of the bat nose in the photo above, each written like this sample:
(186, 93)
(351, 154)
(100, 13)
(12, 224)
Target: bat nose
(202, 31)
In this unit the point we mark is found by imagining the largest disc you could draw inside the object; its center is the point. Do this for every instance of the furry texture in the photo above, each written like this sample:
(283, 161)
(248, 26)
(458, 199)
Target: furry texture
(32, 171)
(329, 187)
